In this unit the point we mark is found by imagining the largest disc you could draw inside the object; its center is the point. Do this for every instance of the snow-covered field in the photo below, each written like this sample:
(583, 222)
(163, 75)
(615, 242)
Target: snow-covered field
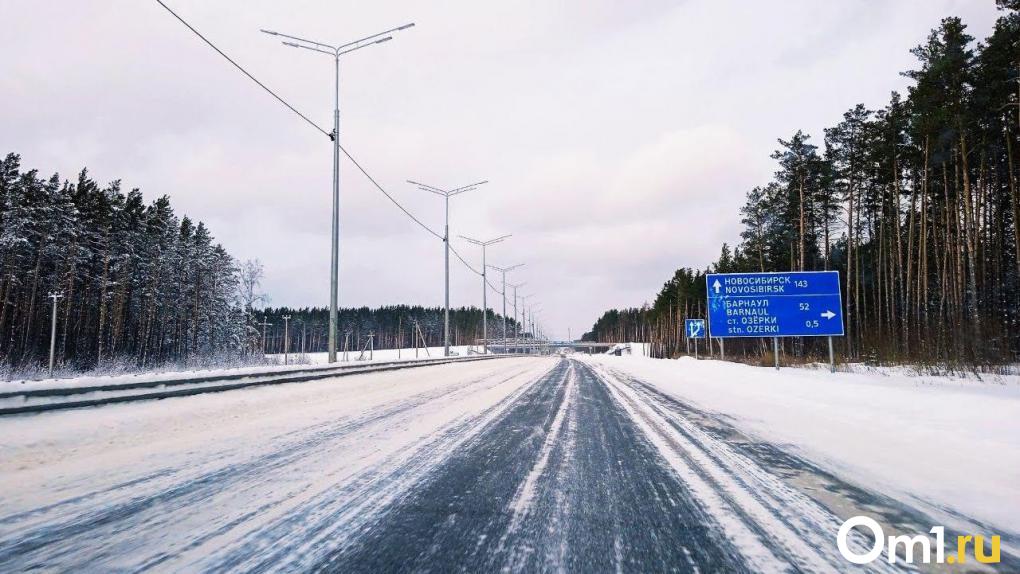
(951, 445)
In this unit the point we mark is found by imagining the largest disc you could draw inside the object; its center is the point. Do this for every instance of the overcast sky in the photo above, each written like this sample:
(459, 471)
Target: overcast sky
(619, 137)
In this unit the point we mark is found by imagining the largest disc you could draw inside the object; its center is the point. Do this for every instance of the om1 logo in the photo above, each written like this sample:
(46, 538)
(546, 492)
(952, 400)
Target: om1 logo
(920, 543)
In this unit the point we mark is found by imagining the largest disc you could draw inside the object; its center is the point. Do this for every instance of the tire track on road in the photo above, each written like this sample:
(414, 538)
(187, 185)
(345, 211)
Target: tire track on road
(453, 521)
(129, 516)
(562, 481)
(799, 532)
(325, 526)
(809, 500)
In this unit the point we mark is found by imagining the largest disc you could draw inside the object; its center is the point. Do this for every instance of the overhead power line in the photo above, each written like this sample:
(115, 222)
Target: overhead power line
(322, 131)
(493, 287)
(466, 264)
(390, 197)
(245, 72)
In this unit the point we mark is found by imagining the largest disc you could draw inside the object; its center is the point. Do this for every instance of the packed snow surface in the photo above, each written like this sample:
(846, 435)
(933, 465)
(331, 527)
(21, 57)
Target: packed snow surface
(517, 464)
(948, 443)
(231, 471)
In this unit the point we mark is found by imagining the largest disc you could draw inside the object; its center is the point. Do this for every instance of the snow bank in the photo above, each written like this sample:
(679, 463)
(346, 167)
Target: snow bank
(297, 361)
(946, 443)
(621, 349)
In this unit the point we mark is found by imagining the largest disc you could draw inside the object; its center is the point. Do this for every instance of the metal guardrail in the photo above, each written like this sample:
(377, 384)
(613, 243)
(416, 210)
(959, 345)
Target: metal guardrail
(136, 391)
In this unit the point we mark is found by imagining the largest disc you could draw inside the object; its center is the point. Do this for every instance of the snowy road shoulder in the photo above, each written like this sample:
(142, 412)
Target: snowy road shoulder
(952, 447)
(310, 362)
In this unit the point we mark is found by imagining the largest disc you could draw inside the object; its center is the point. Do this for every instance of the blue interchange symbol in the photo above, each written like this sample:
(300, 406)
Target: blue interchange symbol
(695, 328)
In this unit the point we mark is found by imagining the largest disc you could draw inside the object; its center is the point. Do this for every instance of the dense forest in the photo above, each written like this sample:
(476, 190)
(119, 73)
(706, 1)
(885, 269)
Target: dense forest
(138, 286)
(391, 327)
(916, 204)
(133, 282)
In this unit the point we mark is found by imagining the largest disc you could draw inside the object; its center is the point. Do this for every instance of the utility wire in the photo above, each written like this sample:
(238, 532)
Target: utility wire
(243, 71)
(466, 264)
(493, 287)
(395, 202)
(475, 271)
(324, 132)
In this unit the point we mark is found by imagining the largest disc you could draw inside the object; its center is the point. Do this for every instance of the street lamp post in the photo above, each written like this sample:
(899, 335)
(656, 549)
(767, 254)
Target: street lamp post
(446, 195)
(336, 52)
(485, 288)
(55, 295)
(286, 339)
(531, 313)
(265, 323)
(517, 326)
(504, 271)
(524, 317)
(538, 331)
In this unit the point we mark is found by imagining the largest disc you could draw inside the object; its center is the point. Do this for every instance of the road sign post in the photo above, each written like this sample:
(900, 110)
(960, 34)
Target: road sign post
(784, 304)
(832, 358)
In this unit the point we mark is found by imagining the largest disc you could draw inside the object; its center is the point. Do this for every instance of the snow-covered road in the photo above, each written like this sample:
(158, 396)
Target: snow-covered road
(527, 464)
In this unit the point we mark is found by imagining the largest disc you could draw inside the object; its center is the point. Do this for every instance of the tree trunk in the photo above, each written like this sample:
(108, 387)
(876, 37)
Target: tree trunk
(970, 233)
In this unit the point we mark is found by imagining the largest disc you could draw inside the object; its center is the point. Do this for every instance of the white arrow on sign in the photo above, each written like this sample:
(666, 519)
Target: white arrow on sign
(828, 314)
(717, 285)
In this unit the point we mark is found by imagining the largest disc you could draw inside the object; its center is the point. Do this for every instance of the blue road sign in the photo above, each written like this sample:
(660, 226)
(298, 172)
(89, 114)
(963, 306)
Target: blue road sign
(788, 304)
(694, 328)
